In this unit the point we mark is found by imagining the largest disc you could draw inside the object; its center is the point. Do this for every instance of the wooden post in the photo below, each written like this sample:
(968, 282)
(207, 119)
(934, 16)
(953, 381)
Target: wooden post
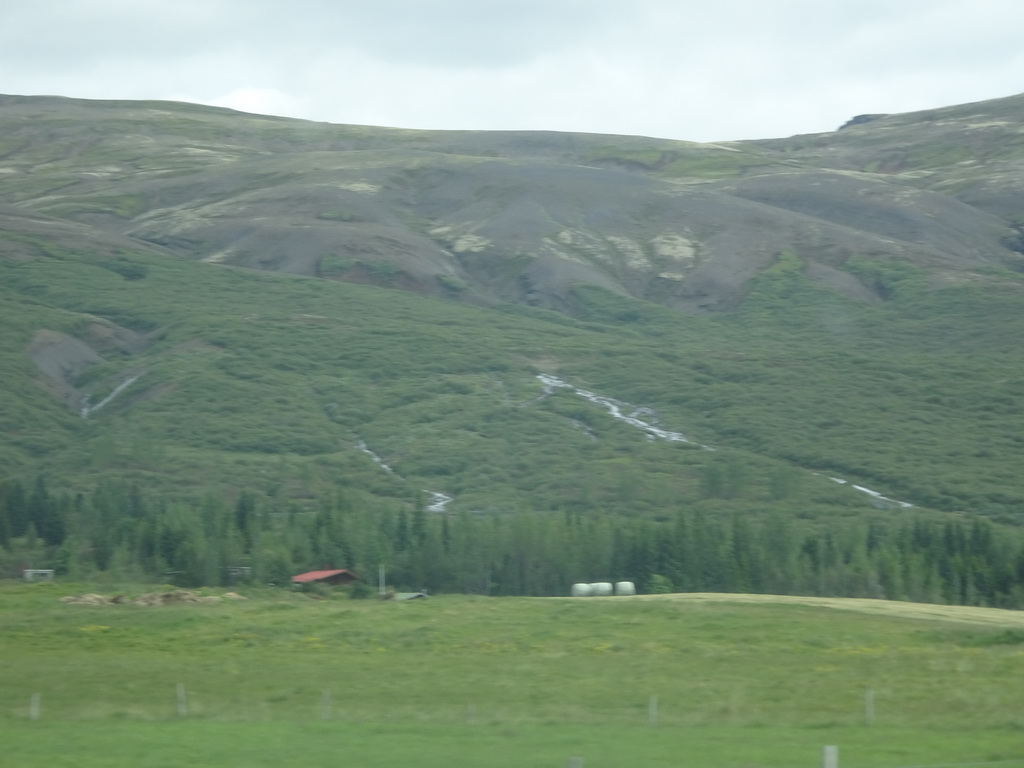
(574, 762)
(471, 713)
(33, 706)
(182, 700)
(325, 704)
(652, 710)
(869, 707)
(830, 757)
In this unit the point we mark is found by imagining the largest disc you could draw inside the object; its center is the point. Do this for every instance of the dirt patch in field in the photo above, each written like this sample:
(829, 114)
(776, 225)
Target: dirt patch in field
(961, 613)
(149, 599)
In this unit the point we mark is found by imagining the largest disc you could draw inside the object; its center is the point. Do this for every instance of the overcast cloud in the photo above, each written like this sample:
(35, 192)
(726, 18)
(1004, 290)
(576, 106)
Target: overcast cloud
(701, 70)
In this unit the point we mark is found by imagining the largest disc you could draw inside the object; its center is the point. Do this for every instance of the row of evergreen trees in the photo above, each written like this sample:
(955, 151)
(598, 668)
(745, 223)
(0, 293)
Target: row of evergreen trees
(118, 533)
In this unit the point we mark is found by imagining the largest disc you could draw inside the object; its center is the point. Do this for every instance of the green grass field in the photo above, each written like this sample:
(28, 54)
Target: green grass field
(316, 744)
(280, 678)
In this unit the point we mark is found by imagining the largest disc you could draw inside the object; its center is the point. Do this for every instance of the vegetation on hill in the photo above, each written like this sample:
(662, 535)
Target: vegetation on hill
(287, 396)
(152, 389)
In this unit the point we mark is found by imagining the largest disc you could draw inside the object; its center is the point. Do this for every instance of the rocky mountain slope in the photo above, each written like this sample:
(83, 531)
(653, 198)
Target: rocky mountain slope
(518, 216)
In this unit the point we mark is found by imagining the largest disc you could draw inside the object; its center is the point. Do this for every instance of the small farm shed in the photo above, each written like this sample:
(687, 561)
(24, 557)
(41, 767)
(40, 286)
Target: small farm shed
(331, 578)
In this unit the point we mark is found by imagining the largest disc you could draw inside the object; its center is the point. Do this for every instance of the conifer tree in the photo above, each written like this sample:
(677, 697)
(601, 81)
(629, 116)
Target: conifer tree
(17, 509)
(245, 518)
(5, 517)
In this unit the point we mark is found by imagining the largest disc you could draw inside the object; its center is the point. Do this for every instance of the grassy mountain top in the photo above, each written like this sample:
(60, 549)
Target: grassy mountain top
(517, 216)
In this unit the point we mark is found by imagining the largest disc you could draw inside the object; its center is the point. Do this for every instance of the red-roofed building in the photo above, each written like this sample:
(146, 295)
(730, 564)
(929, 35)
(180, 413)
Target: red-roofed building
(332, 578)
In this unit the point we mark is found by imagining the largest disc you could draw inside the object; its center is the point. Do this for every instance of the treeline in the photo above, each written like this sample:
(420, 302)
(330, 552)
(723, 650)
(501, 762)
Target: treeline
(117, 533)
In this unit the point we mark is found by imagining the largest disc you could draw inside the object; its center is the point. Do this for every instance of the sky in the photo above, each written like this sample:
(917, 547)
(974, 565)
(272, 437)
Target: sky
(697, 70)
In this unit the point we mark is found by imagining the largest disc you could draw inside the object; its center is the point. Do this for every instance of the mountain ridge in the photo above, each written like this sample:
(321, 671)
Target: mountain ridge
(494, 216)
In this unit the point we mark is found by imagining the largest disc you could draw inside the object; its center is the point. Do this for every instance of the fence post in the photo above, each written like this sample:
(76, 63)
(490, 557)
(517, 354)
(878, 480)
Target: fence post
(652, 710)
(574, 762)
(325, 704)
(182, 700)
(869, 707)
(830, 757)
(33, 706)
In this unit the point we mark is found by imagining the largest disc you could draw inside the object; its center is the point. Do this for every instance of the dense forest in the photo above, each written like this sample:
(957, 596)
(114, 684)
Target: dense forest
(118, 533)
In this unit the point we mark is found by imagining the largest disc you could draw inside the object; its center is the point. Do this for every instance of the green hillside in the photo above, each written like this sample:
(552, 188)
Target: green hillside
(919, 398)
(258, 396)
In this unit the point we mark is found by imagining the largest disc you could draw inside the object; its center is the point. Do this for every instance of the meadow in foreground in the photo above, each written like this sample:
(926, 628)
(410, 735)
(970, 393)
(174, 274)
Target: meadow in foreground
(280, 678)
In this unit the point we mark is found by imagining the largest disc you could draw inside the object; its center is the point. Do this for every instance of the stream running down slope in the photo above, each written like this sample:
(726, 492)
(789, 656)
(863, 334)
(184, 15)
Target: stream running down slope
(630, 414)
(438, 501)
(85, 409)
(616, 408)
